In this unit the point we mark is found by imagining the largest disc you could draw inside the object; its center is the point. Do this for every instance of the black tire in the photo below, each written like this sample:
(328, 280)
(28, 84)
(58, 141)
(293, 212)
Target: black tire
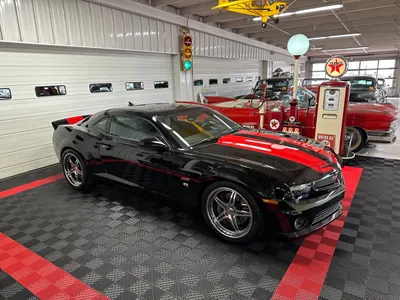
(85, 183)
(264, 25)
(255, 227)
(276, 20)
(359, 139)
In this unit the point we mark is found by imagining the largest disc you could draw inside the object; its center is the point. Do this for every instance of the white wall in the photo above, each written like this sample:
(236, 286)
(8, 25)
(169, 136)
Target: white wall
(85, 24)
(25, 120)
(121, 24)
(215, 68)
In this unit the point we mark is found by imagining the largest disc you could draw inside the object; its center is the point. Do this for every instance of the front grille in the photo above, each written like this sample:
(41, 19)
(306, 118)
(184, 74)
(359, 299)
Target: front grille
(323, 214)
(329, 182)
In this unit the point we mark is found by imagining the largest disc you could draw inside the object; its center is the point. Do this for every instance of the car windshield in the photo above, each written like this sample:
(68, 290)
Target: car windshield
(275, 85)
(197, 125)
(361, 84)
(313, 82)
(304, 99)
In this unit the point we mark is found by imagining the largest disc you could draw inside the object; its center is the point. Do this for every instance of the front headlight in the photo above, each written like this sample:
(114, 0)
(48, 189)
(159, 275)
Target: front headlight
(300, 192)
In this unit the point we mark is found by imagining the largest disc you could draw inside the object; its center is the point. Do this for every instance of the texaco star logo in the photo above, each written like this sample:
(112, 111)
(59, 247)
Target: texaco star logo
(274, 124)
(336, 66)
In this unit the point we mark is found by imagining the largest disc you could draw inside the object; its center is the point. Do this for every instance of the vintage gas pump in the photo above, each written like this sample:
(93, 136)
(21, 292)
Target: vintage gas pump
(331, 107)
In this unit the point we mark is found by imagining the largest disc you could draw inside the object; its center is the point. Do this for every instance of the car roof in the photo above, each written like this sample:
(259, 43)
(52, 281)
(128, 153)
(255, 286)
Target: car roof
(276, 78)
(360, 77)
(151, 109)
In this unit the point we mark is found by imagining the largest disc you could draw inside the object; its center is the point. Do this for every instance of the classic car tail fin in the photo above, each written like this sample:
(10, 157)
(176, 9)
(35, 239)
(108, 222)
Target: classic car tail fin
(68, 121)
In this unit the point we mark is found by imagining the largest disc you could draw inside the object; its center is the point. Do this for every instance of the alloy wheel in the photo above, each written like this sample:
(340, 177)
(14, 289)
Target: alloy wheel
(229, 213)
(73, 169)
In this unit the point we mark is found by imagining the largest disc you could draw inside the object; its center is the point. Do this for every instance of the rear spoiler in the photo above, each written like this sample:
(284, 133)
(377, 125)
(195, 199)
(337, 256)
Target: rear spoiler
(69, 121)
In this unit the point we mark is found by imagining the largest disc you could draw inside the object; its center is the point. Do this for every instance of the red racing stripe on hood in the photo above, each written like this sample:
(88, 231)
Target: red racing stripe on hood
(287, 141)
(276, 150)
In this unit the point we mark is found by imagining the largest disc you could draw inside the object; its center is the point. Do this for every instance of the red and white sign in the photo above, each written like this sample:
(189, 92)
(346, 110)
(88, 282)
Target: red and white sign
(291, 129)
(336, 66)
(274, 124)
(327, 139)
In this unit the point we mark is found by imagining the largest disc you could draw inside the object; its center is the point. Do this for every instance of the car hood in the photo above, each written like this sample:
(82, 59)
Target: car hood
(373, 109)
(292, 159)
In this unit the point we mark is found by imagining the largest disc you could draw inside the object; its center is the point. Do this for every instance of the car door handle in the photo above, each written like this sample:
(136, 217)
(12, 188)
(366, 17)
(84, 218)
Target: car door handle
(107, 146)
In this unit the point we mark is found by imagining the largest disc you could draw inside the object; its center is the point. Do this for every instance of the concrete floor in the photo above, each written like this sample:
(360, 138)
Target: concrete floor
(386, 150)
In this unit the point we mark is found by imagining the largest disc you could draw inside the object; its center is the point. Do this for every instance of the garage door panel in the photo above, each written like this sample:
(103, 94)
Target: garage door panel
(214, 68)
(25, 120)
(77, 107)
(25, 140)
(29, 166)
(24, 156)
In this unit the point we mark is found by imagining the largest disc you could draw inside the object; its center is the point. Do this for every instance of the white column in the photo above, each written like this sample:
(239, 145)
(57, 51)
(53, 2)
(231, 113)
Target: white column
(183, 81)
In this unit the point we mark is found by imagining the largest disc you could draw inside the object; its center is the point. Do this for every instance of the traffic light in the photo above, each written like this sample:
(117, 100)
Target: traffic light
(187, 51)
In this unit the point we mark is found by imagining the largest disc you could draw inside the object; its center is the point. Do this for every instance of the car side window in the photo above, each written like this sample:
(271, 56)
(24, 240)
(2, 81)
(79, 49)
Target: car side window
(133, 128)
(102, 125)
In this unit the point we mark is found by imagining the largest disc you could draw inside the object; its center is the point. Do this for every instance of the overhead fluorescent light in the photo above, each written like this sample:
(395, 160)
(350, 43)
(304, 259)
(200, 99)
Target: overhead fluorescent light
(335, 36)
(304, 11)
(285, 14)
(316, 9)
(346, 49)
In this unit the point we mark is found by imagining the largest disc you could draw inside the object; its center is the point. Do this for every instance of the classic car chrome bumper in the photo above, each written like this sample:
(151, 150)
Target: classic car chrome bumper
(383, 136)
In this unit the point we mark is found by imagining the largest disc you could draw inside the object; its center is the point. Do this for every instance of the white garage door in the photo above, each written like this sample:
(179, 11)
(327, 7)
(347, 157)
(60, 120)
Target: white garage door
(25, 129)
(227, 77)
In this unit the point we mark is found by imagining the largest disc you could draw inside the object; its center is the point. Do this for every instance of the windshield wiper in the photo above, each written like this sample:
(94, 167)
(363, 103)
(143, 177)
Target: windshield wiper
(215, 138)
(207, 140)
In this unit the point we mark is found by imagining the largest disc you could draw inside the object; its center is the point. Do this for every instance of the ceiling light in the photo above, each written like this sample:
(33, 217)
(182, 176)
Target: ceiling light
(346, 49)
(304, 11)
(334, 36)
(316, 9)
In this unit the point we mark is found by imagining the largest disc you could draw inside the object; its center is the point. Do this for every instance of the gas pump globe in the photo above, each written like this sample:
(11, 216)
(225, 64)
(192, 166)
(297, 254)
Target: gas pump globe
(298, 45)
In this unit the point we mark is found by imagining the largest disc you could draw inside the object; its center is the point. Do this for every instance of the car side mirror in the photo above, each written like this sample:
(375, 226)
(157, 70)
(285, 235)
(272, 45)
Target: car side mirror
(153, 143)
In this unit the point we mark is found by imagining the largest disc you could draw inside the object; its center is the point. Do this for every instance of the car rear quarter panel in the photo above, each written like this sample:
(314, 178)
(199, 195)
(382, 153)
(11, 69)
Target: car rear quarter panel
(78, 139)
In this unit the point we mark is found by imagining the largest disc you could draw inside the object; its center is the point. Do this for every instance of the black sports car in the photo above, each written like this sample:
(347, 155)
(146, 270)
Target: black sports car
(244, 181)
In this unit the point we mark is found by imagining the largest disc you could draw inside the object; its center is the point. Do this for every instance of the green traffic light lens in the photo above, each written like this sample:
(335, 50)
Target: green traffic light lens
(187, 65)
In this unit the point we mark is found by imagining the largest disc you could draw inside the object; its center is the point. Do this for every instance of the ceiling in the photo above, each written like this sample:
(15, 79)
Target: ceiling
(378, 21)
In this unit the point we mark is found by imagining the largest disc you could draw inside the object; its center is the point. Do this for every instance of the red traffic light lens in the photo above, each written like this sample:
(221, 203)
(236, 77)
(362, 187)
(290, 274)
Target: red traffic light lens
(187, 40)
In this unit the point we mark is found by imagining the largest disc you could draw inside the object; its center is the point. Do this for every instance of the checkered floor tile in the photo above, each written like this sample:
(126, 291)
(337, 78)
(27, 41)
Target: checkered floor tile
(12, 290)
(366, 262)
(129, 246)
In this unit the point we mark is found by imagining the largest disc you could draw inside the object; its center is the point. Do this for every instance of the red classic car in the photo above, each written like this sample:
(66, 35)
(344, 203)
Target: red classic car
(365, 121)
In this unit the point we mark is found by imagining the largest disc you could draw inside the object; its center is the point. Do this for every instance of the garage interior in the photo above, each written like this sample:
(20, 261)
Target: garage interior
(112, 243)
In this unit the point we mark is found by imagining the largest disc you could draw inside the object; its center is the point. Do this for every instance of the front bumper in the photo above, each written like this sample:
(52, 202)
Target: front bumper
(316, 217)
(315, 226)
(382, 136)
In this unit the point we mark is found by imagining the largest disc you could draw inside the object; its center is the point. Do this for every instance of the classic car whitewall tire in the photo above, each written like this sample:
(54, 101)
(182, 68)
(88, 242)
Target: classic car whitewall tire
(359, 138)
